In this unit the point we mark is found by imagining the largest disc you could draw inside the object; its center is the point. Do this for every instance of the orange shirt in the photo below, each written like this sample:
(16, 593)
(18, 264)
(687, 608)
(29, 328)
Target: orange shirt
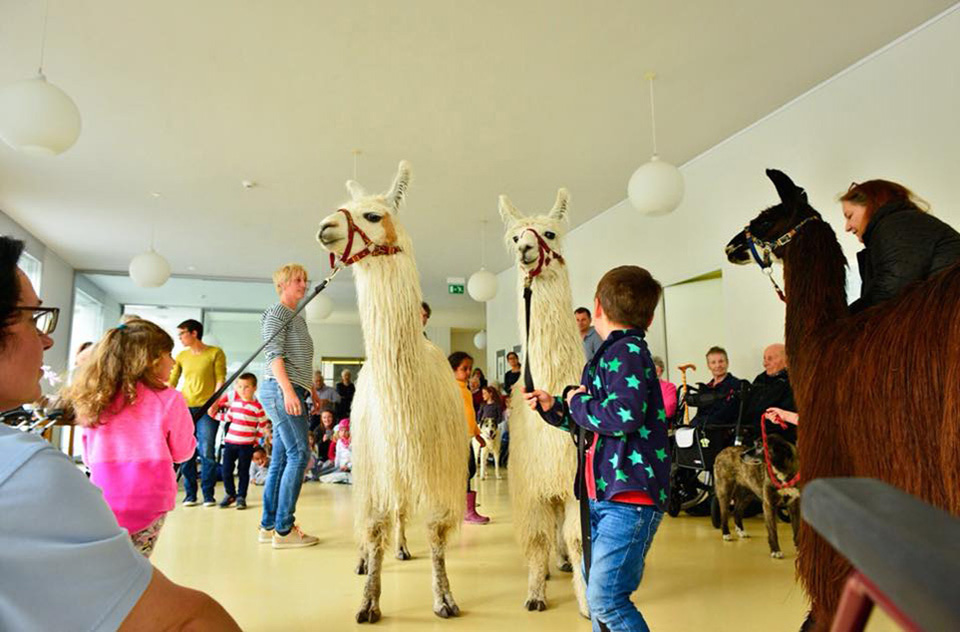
(472, 429)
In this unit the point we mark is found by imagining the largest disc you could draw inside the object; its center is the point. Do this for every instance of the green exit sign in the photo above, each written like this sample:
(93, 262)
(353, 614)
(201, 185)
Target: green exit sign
(455, 288)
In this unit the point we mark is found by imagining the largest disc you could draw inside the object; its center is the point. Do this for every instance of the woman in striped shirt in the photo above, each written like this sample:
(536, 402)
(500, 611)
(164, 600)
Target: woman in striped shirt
(286, 385)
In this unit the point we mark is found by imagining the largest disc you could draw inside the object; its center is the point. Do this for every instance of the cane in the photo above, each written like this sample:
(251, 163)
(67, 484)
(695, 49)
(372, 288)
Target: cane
(683, 368)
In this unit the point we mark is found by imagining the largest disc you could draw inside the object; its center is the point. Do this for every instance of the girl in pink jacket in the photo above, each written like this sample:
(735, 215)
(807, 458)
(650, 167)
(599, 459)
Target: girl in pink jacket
(136, 427)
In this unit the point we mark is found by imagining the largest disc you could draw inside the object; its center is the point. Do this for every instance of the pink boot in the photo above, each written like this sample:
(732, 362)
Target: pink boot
(472, 516)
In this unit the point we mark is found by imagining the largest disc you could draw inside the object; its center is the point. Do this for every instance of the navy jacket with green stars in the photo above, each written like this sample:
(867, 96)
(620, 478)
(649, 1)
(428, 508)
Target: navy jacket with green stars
(623, 405)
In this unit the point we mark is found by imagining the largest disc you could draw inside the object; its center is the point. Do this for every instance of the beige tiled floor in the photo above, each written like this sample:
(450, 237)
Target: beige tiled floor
(693, 581)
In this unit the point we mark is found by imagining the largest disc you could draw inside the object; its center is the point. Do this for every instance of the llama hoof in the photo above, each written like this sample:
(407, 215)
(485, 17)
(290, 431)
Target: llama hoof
(727, 537)
(535, 605)
(777, 555)
(403, 554)
(499, 478)
(368, 613)
(565, 566)
(446, 607)
(361, 567)
(742, 534)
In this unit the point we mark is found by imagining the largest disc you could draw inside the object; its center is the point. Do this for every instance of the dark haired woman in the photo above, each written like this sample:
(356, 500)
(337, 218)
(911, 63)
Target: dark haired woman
(903, 243)
(57, 535)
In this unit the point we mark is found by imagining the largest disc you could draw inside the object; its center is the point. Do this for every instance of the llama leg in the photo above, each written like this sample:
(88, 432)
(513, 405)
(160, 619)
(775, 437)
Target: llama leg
(770, 519)
(536, 530)
(574, 538)
(375, 537)
(563, 553)
(403, 553)
(443, 604)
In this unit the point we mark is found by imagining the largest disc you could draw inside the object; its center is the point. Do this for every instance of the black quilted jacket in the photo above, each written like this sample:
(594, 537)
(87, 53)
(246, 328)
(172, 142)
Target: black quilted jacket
(903, 245)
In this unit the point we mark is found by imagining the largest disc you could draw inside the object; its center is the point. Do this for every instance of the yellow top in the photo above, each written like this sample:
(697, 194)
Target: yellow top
(472, 429)
(201, 374)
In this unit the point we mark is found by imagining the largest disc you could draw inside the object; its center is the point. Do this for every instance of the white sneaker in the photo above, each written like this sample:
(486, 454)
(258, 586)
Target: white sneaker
(190, 503)
(265, 536)
(209, 503)
(296, 539)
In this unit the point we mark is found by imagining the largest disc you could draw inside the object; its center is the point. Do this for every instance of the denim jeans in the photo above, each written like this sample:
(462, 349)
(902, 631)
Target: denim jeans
(206, 434)
(622, 535)
(239, 455)
(289, 460)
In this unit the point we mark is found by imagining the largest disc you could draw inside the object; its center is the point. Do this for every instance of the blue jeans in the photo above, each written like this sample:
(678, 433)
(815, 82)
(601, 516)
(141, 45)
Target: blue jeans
(206, 434)
(621, 538)
(289, 460)
(233, 455)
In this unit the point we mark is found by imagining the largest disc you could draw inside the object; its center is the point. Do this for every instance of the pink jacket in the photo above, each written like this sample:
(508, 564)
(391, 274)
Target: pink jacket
(669, 392)
(132, 452)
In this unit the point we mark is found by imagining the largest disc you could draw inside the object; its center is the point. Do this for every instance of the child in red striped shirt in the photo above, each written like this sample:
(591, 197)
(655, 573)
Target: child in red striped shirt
(247, 420)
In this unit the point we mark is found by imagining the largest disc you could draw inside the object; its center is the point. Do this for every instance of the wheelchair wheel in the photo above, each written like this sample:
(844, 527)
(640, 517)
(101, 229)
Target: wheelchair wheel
(715, 512)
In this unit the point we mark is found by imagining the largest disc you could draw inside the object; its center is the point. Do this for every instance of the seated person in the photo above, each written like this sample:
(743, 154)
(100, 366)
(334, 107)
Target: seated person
(259, 466)
(720, 398)
(667, 389)
(770, 389)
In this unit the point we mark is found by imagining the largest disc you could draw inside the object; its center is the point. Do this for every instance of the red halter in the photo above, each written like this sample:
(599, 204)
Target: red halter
(370, 249)
(545, 255)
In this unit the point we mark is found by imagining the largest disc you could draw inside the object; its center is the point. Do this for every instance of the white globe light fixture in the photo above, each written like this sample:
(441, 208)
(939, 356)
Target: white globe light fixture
(480, 340)
(482, 284)
(37, 117)
(656, 188)
(149, 269)
(319, 308)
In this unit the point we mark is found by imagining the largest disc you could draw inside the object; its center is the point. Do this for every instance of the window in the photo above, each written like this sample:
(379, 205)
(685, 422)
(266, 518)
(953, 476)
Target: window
(32, 267)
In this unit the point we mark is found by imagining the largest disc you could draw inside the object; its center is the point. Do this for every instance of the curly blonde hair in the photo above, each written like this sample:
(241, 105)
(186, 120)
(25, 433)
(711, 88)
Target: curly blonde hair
(125, 357)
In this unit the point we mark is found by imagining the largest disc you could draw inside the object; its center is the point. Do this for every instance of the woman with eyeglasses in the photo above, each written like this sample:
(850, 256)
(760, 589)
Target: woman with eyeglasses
(903, 242)
(58, 538)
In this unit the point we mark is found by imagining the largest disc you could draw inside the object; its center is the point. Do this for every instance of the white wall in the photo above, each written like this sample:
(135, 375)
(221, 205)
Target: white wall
(894, 115)
(694, 323)
(462, 340)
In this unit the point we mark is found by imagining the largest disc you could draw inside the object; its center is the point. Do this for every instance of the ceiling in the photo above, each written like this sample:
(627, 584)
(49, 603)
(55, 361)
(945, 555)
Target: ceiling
(190, 98)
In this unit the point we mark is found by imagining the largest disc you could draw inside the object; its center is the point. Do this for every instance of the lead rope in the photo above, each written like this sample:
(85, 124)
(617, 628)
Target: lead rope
(579, 438)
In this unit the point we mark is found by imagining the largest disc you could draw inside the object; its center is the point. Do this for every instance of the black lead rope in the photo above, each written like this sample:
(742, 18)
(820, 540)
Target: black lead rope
(580, 439)
(216, 396)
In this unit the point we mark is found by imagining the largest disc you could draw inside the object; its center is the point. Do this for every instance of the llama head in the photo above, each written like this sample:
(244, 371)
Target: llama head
(373, 215)
(773, 223)
(531, 239)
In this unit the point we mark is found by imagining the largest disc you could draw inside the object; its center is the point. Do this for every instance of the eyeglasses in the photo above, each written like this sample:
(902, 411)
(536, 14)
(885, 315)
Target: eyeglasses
(44, 318)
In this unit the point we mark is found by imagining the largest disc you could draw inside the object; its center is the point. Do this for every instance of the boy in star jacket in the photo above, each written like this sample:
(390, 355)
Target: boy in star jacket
(627, 465)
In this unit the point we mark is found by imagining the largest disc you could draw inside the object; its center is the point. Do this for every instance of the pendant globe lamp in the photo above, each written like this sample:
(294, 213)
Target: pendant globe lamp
(319, 308)
(149, 269)
(480, 340)
(37, 117)
(656, 188)
(482, 284)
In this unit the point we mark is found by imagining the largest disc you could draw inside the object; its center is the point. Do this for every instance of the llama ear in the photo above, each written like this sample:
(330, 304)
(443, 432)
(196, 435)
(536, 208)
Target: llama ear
(559, 210)
(398, 191)
(789, 192)
(356, 191)
(508, 212)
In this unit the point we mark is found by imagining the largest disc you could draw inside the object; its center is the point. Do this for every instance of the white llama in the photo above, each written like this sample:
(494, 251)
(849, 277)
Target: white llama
(410, 445)
(543, 459)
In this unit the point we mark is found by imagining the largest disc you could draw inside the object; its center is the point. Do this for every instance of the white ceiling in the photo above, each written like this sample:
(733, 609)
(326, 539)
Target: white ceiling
(190, 98)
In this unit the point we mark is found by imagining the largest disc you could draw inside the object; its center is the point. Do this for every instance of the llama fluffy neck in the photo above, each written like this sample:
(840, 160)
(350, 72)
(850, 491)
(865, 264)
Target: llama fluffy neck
(389, 296)
(814, 271)
(555, 350)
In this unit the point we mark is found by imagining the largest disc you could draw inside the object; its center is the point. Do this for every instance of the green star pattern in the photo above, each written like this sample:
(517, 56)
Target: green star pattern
(635, 457)
(625, 415)
(633, 382)
(614, 365)
(615, 461)
(593, 420)
(611, 397)
(644, 407)
(633, 348)
(662, 415)
(603, 363)
(601, 484)
(661, 454)
(644, 433)
(663, 496)
(649, 471)
(619, 434)
(597, 382)
(621, 476)
(585, 397)
(648, 373)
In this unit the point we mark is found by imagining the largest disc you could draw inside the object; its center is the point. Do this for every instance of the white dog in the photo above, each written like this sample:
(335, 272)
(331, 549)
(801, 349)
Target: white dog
(490, 431)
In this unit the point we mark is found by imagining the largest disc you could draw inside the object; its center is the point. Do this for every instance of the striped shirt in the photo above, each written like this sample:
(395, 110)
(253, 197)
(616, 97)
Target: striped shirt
(293, 344)
(247, 419)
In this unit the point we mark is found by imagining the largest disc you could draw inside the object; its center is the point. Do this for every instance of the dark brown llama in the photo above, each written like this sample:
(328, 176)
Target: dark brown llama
(876, 391)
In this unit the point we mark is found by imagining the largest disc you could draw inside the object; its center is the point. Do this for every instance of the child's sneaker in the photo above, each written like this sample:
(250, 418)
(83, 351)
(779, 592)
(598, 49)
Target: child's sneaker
(265, 536)
(296, 539)
(226, 502)
(190, 502)
(241, 503)
(210, 503)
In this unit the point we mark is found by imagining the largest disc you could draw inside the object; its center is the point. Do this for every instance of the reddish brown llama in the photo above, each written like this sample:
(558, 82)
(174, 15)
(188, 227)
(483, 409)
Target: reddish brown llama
(876, 391)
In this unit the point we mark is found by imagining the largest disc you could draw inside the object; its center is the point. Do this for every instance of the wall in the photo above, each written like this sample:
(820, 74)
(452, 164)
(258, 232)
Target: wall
(893, 115)
(56, 290)
(694, 323)
(462, 340)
